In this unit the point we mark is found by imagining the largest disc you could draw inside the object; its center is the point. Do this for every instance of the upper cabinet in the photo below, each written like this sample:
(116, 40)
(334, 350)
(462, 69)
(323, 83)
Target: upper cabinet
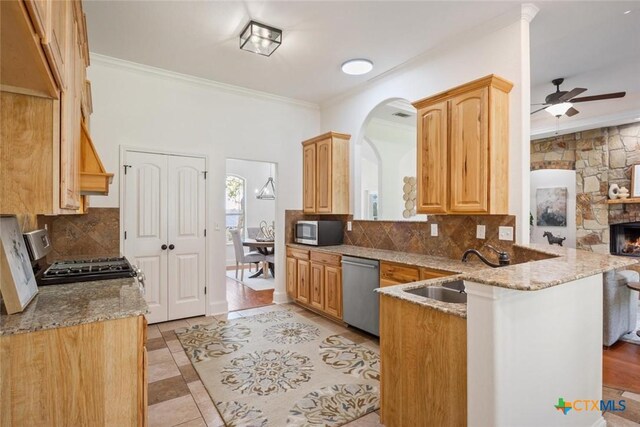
(46, 104)
(463, 149)
(325, 175)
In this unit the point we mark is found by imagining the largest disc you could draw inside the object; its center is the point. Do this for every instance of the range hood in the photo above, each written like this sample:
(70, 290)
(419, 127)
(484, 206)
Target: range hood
(94, 179)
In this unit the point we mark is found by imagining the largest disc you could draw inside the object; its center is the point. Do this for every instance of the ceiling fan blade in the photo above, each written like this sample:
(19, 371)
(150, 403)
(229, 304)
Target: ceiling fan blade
(599, 97)
(574, 92)
(571, 112)
(542, 103)
(533, 112)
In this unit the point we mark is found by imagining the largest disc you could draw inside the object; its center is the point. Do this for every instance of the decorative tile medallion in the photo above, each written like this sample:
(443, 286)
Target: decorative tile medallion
(204, 342)
(266, 372)
(350, 358)
(291, 333)
(334, 405)
(271, 316)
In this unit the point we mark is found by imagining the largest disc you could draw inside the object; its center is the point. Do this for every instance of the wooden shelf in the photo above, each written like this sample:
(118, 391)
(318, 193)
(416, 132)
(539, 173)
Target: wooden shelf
(624, 201)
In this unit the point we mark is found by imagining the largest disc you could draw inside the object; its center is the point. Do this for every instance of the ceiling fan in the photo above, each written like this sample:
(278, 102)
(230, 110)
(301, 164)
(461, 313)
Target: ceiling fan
(561, 102)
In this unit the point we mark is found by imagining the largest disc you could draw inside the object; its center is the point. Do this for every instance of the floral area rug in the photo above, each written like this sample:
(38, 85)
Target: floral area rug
(281, 369)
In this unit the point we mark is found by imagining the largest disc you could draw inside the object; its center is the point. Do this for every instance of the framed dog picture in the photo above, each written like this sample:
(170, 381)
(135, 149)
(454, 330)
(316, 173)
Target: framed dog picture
(635, 180)
(17, 282)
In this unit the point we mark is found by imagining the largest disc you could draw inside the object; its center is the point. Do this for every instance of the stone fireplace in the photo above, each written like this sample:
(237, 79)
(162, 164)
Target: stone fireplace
(625, 239)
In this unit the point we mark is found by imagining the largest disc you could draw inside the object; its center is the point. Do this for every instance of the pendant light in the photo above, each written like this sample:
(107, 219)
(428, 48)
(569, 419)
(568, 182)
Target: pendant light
(268, 191)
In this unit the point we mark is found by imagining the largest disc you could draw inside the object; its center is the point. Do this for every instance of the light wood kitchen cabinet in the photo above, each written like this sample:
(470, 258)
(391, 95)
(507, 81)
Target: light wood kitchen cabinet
(45, 100)
(303, 281)
(463, 149)
(90, 374)
(326, 174)
(314, 279)
(309, 178)
(392, 273)
(422, 371)
(333, 291)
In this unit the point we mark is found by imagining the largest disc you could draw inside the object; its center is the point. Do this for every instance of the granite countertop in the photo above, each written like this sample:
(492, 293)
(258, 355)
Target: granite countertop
(565, 265)
(58, 306)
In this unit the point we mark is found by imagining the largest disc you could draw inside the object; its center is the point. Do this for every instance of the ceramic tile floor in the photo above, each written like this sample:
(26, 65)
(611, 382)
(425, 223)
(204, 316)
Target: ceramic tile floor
(177, 397)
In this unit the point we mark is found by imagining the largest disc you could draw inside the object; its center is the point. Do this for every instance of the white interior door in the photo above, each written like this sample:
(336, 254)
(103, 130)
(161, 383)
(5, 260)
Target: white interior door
(186, 234)
(145, 225)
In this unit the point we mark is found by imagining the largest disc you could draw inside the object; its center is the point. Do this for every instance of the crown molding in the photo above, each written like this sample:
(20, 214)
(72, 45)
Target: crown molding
(110, 61)
(529, 11)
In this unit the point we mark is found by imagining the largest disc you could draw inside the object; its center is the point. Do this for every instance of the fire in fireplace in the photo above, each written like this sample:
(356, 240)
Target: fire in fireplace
(625, 239)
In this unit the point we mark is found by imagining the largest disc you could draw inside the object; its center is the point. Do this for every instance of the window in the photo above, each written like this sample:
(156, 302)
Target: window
(234, 204)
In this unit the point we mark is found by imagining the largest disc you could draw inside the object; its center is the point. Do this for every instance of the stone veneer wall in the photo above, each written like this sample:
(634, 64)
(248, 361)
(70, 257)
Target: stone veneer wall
(455, 233)
(94, 234)
(600, 157)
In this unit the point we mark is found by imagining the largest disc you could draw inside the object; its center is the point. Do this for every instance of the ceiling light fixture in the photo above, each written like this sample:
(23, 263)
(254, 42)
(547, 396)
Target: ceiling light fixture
(558, 109)
(357, 67)
(627, 12)
(259, 38)
(268, 191)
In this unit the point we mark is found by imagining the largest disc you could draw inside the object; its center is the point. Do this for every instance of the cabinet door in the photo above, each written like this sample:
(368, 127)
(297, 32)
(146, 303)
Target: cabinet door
(56, 39)
(292, 276)
(70, 131)
(303, 281)
(469, 153)
(333, 291)
(316, 297)
(323, 176)
(309, 178)
(432, 159)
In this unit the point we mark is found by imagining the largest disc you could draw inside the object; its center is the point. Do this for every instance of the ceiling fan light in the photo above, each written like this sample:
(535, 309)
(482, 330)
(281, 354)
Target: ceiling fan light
(557, 110)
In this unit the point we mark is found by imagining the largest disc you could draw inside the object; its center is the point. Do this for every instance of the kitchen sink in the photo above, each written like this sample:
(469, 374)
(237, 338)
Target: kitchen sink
(457, 285)
(441, 293)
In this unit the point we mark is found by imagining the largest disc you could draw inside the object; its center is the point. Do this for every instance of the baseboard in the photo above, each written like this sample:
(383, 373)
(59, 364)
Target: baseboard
(281, 297)
(600, 422)
(217, 307)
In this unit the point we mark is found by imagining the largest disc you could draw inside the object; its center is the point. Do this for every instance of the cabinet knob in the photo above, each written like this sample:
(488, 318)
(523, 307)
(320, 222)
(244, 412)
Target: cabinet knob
(163, 247)
(171, 247)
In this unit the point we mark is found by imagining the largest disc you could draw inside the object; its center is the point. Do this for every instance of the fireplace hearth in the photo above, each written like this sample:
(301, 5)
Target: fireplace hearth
(625, 239)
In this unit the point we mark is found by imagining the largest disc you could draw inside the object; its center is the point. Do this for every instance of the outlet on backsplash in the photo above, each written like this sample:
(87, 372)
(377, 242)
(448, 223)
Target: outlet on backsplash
(481, 232)
(505, 233)
(434, 230)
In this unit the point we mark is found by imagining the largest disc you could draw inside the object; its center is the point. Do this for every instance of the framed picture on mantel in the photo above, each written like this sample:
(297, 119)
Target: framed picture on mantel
(17, 282)
(635, 180)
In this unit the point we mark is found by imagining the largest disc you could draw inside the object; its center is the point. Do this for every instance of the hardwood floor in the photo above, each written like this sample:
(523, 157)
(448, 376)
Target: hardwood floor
(241, 297)
(621, 367)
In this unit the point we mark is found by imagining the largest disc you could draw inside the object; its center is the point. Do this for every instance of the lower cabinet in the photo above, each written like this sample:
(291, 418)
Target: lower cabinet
(392, 273)
(314, 279)
(91, 374)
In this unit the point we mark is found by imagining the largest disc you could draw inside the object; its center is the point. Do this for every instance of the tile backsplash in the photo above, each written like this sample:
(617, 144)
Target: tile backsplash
(455, 233)
(94, 234)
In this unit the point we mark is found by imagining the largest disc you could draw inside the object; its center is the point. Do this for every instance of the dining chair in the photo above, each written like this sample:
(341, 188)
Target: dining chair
(253, 233)
(242, 257)
(271, 260)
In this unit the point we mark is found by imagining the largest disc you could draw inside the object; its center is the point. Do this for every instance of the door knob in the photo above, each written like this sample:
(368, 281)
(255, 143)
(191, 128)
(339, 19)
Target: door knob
(171, 247)
(163, 247)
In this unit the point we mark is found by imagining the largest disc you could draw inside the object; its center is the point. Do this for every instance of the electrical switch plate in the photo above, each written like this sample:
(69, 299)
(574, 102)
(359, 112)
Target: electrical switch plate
(217, 227)
(349, 226)
(434, 230)
(481, 231)
(505, 233)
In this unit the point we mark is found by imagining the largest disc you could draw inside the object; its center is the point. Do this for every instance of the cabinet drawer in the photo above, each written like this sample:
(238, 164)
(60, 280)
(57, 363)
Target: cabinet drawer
(325, 258)
(297, 253)
(432, 273)
(399, 273)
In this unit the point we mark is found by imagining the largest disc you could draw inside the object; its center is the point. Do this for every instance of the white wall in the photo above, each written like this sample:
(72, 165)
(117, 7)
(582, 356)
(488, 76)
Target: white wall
(396, 145)
(142, 106)
(504, 52)
(549, 178)
(255, 175)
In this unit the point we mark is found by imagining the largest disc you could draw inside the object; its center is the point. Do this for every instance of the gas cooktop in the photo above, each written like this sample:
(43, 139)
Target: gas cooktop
(86, 270)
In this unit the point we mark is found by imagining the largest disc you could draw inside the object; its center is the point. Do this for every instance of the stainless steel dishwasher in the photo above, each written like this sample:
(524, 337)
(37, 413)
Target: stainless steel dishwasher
(360, 304)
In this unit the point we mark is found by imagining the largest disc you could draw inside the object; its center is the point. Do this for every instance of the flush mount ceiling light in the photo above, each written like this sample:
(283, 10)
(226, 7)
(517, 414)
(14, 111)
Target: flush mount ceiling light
(558, 109)
(259, 38)
(357, 67)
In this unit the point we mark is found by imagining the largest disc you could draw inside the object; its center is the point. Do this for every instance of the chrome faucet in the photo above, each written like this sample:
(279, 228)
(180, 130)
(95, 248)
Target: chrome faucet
(503, 257)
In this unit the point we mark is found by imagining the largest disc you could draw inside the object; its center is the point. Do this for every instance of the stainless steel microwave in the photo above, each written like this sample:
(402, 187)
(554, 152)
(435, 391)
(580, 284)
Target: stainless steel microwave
(319, 233)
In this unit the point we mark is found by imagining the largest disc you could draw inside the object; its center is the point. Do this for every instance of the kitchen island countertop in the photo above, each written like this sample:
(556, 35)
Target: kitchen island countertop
(58, 306)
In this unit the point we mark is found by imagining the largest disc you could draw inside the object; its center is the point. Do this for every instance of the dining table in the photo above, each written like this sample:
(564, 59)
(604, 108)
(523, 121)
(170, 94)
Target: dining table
(265, 247)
